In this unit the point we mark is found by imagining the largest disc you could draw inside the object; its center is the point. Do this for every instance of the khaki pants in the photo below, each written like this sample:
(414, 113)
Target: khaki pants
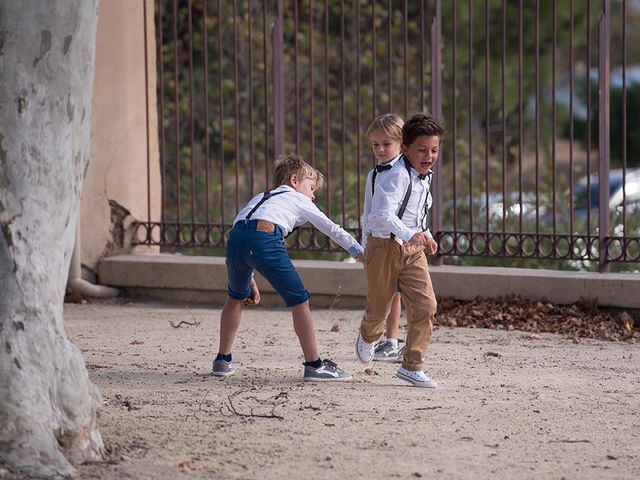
(388, 264)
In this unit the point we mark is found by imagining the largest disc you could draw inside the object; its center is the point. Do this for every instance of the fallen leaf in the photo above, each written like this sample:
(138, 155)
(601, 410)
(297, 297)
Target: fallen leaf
(493, 354)
(187, 464)
(581, 320)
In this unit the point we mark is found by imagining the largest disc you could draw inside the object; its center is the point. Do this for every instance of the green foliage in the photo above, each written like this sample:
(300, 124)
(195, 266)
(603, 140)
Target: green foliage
(623, 108)
(348, 63)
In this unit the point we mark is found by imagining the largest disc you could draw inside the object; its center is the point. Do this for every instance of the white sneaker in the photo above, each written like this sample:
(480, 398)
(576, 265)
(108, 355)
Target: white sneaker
(364, 350)
(416, 378)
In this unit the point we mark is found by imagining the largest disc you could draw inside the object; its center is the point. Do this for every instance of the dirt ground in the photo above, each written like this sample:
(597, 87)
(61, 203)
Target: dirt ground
(509, 404)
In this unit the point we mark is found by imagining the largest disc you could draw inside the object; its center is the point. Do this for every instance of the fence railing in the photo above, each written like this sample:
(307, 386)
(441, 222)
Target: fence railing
(539, 99)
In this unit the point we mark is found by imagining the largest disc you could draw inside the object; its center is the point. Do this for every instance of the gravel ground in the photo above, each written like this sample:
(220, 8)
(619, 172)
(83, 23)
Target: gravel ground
(509, 403)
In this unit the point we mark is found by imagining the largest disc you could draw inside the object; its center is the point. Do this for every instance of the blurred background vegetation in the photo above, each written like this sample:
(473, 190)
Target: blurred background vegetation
(519, 99)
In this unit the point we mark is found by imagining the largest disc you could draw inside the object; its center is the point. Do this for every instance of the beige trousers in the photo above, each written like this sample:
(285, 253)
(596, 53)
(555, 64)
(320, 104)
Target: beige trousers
(388, 264)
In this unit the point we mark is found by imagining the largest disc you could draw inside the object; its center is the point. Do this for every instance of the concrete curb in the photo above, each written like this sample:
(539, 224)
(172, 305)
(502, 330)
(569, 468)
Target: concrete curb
(203, 279)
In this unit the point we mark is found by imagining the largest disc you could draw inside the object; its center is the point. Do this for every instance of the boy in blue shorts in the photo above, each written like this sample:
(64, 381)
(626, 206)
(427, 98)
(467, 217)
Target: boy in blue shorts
(398, 239)
(257, 242)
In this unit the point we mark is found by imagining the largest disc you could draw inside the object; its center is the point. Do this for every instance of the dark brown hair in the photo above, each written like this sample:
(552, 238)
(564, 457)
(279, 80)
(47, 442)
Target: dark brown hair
(421, 124)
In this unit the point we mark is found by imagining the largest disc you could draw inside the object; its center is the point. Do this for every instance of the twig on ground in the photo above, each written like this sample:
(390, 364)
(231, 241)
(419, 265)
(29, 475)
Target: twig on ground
(569, 441)
(231, 407)
(185, 322)
(336, 298)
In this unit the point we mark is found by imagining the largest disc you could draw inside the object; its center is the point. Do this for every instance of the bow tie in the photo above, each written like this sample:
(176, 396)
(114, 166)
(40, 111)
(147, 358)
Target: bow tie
(382, 168)
(422, 176)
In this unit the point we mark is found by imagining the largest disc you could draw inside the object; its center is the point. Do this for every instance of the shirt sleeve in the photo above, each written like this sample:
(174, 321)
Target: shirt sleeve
(386, 201)
(335, 232)
(367, 208)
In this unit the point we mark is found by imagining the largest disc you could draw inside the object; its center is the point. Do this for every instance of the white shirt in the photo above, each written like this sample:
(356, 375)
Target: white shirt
(368, 193)
(386, 201)
(292, 209)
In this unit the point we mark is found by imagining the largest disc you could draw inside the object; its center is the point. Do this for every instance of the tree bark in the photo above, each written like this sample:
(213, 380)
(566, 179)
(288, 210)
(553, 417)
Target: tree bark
(47, 403)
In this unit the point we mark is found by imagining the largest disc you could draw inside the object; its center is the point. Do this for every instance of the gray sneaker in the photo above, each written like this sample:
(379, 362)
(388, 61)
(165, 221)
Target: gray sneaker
(222, 368)
(400, 356)
(385, 352)
(328, 371)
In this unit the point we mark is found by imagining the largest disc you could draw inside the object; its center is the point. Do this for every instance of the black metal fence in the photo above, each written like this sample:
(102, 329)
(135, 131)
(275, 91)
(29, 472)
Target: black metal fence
(540, 100)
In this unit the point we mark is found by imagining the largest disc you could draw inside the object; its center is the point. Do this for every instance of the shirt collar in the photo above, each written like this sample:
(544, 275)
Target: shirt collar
(391, 162)
(415, 174)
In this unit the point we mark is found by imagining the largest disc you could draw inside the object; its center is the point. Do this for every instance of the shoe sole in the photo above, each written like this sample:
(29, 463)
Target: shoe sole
(215, 373)
(387, 359)
(358, 353)
(339, 379)
(416, 383)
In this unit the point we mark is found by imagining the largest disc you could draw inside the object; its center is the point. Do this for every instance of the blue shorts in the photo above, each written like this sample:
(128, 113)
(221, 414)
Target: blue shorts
(248, 249)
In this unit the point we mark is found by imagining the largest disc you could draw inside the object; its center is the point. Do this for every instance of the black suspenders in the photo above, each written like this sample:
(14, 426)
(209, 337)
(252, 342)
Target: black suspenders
(265, 196)
(405, 200)
(407, 195)
(373, 182)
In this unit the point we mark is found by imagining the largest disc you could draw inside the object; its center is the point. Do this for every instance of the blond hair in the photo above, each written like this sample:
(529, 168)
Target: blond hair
(389, 123)
(291, 164)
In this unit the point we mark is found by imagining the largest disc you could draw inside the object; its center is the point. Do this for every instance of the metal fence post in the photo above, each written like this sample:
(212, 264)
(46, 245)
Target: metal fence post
(278, 81)
(604, 134)
(436, 111)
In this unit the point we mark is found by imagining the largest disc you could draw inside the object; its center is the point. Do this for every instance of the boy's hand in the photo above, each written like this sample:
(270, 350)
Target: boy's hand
(360, 258)
(254, 299)
(418, 238)
(431, 246)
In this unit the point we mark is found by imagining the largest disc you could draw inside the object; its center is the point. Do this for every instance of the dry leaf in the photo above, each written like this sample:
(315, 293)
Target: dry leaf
(581, 320)
(137, 342)
(627, 321)
(188, 464)
(336, 327)
(129, 405)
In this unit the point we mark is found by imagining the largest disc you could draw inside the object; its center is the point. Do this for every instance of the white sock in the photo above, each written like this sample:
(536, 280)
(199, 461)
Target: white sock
(393, 341)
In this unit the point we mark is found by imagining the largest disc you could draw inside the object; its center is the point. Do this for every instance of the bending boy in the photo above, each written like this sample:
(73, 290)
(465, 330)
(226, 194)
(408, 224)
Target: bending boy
(257, 242)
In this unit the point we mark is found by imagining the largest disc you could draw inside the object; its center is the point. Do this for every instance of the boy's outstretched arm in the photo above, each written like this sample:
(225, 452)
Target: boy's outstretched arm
(335, 232)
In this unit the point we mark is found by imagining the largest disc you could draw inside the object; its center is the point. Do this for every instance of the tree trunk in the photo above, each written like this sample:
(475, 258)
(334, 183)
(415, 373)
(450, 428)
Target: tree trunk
(47, 403)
